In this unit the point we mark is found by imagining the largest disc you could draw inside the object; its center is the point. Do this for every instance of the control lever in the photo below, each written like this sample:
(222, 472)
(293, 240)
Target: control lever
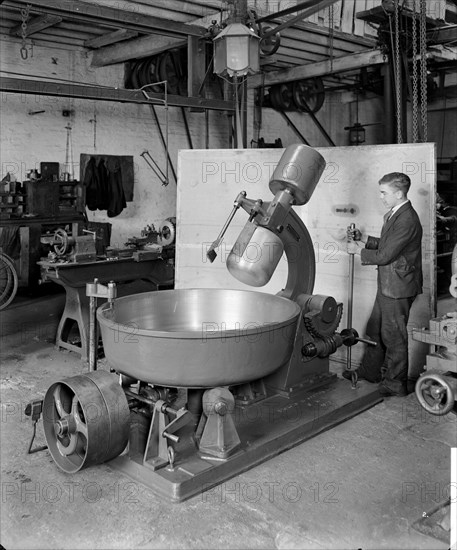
(211, 253)
(350, 237)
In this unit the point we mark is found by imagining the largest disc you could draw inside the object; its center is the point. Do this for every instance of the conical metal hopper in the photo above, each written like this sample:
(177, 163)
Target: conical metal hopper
(198, 338)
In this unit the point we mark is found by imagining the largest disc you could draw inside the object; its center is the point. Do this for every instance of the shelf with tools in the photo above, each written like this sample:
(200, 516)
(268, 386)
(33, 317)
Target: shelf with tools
(12, 205)
(72, 196)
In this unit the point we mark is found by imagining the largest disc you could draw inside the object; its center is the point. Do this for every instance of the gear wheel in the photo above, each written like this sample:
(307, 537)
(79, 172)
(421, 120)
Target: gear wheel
(167, 231)
(320, 324)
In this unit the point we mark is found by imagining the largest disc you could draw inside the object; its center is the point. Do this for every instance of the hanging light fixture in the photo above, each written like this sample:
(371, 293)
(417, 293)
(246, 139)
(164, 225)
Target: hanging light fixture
(357, 130)
(236, 51)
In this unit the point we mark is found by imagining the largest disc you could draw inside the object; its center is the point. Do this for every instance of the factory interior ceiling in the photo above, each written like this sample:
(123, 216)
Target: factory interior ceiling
(327, 39)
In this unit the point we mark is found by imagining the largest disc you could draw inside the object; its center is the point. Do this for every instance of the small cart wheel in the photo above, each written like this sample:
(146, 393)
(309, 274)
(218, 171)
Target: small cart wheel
(434, 394)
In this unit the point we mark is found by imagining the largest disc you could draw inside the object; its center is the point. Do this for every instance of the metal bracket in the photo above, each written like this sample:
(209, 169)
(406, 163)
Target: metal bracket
(158, 453)
(34, 410)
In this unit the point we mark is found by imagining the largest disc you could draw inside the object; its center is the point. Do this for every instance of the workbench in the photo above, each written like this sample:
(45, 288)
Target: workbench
(30, 232)
(131, 276)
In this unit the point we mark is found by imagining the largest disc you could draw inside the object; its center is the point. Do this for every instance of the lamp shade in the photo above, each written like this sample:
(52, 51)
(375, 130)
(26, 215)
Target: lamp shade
(236, 51)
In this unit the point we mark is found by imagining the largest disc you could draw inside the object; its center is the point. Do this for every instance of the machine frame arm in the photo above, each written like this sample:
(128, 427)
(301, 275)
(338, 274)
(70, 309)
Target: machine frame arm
(298, 246)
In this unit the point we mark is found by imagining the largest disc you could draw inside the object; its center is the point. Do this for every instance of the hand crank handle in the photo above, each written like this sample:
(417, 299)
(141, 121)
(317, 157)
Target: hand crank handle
(211, 253)
(366, 341)
(350, 337)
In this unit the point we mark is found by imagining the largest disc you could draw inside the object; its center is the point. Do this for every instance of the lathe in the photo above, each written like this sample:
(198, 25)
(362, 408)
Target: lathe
(207, 383)
(145, 263)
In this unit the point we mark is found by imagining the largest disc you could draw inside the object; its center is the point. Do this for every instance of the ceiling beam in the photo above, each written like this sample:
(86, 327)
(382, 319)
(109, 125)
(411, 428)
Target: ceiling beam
(442, 35)
(302, 15)
(92, 11)
(134, 49)
(443, 53)
(339, 64)
(96, 93)
(110, 38)
(36, 24)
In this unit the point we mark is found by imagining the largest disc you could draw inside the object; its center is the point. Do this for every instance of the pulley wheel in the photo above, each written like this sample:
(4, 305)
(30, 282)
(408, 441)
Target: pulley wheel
(135, 75)
(172, 69)
(269, 45)
(308, 95)
(149, 74)
(167, 231)
(434, 394)
(281, 97)
(8, 281)
(86, 420)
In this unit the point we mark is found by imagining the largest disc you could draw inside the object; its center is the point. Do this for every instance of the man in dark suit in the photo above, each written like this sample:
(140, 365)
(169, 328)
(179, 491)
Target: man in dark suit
(397, 253)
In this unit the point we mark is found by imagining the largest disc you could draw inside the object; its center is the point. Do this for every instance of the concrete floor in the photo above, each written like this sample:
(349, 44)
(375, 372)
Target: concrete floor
(361, 484)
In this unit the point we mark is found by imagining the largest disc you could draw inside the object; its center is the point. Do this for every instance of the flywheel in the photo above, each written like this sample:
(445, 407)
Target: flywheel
(86, 420)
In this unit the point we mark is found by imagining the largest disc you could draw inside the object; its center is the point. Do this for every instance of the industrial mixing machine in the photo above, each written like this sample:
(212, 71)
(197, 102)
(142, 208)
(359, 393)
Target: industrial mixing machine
(207, 383)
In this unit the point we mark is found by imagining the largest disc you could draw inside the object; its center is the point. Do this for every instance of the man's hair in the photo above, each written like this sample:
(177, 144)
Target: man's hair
(397, 180)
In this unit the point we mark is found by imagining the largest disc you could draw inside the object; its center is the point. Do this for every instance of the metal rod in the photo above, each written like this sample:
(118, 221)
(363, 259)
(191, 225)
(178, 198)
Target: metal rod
(163, 140)
(211, 253)
(349, 315)
(317, 123)
(206, 129)
(294, 128)
(93, 343)
(186, 124)
(154, 167)
(366, 341)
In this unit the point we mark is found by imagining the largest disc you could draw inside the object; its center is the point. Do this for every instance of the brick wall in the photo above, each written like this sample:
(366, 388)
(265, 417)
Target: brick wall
(122, 129)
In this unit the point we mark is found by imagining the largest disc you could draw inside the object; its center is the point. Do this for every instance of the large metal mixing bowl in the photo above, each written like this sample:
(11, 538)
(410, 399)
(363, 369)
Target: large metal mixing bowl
(198, 338)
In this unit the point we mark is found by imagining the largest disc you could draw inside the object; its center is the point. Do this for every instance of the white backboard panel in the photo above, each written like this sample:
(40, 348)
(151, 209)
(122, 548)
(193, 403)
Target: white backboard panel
(210, 180)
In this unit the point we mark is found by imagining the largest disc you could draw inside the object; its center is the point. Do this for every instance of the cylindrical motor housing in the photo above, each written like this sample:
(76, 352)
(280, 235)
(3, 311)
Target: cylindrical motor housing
(299, 170)
(255, 255)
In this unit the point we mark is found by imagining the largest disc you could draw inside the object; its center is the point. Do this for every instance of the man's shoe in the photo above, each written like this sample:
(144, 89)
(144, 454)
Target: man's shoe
(386, 392)
(348, 375)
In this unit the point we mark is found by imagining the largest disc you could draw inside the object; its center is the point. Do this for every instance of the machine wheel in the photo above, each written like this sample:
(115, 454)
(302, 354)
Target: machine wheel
(308, 95)
(61, 242)
(434, 394)
(167, 231)
(281, 97)
(8, 281)
(86, 420)
(173, 69)
(149, 74)
(270, 45)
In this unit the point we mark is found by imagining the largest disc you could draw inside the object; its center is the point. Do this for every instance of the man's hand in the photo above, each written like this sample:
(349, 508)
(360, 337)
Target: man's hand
(354, 247)
(354, 235)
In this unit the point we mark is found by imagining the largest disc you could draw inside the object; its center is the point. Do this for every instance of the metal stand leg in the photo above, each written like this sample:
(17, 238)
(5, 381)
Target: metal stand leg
(76, 311)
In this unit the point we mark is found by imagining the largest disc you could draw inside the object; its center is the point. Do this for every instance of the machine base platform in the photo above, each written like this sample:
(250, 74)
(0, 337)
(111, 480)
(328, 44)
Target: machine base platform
(265, 428)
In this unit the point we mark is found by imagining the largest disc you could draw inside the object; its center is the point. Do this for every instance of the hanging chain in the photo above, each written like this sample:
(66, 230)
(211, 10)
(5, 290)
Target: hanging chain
(423, 66)
(415, 94)
(25, 12)
(397, 71)
(331, 34)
